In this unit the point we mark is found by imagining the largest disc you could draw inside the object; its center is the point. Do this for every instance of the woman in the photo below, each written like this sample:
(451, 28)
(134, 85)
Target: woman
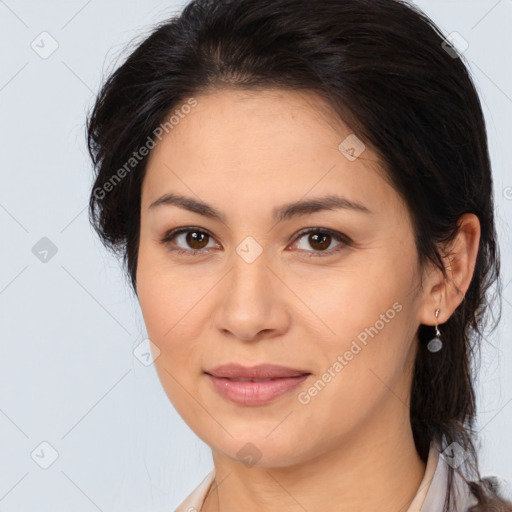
(303, 197)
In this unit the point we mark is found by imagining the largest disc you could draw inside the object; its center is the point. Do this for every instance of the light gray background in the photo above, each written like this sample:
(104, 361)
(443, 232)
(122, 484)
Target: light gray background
(69, 326)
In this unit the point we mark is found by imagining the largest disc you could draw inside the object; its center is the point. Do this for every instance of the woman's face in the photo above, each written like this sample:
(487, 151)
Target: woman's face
(260, 290)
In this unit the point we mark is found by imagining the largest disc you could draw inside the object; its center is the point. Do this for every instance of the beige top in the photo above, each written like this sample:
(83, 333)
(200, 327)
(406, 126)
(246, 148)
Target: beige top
(429, 497)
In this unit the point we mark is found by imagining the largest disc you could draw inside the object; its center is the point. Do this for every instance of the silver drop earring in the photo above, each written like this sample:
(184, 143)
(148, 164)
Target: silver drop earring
(435, 344)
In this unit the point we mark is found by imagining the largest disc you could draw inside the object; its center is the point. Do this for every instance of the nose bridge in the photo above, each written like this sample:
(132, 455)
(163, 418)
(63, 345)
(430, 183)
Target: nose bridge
(250, 273)
(249, 303)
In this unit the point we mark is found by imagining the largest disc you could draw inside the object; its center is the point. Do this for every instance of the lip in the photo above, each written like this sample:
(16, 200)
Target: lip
(257, 385)
(262, 371)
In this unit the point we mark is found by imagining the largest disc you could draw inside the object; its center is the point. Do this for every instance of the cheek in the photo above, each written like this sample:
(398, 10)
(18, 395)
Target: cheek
(346, 303)
(369, 320)
(173, 308)
(170, 323)
(167, 298)
(170, 318)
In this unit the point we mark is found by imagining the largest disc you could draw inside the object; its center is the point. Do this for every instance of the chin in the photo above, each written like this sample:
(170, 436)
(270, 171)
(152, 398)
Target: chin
(258, 450)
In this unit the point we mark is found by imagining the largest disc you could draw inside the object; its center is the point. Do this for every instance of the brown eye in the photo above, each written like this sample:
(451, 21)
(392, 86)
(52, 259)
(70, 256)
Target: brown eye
(187, 241)
(196, 239)
(320, 240)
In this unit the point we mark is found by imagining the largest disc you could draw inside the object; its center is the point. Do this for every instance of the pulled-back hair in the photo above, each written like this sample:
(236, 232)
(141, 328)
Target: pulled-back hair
(391, 76)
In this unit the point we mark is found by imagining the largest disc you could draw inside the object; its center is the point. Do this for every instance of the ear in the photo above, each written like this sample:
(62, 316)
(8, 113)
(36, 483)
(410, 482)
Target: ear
(459, 259)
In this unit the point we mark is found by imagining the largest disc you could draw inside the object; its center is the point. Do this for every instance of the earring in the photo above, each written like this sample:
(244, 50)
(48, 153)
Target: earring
(435, 344)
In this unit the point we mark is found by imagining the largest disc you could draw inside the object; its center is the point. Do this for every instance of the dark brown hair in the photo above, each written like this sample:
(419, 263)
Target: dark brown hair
(389, 73)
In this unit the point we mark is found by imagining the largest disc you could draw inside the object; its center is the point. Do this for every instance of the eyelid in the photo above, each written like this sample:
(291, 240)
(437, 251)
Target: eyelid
(343, 240)
(173, 233)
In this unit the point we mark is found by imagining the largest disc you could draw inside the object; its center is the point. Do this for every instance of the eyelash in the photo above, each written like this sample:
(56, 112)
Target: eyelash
(339, 237)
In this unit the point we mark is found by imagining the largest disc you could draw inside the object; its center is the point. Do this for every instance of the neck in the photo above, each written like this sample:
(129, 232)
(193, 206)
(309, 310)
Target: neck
(372, 469)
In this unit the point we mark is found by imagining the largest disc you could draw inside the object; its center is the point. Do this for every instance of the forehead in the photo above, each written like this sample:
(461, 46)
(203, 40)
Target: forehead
(246, 147)
(278, 118)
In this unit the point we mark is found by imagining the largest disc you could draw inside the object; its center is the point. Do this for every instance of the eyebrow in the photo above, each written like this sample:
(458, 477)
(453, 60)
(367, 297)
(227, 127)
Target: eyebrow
(280, 214)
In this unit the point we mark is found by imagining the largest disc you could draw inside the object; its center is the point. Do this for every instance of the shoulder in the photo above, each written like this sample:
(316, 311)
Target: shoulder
(194, 501)
(462, 497)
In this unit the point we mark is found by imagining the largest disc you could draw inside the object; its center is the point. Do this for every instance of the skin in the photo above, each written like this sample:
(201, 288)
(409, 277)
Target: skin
(245, 153)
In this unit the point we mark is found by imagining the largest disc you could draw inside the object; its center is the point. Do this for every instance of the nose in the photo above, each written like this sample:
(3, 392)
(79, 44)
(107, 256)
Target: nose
(251, 302)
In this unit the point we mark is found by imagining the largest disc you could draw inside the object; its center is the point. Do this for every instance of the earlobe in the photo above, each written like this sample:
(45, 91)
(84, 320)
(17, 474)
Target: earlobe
(459, 258)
